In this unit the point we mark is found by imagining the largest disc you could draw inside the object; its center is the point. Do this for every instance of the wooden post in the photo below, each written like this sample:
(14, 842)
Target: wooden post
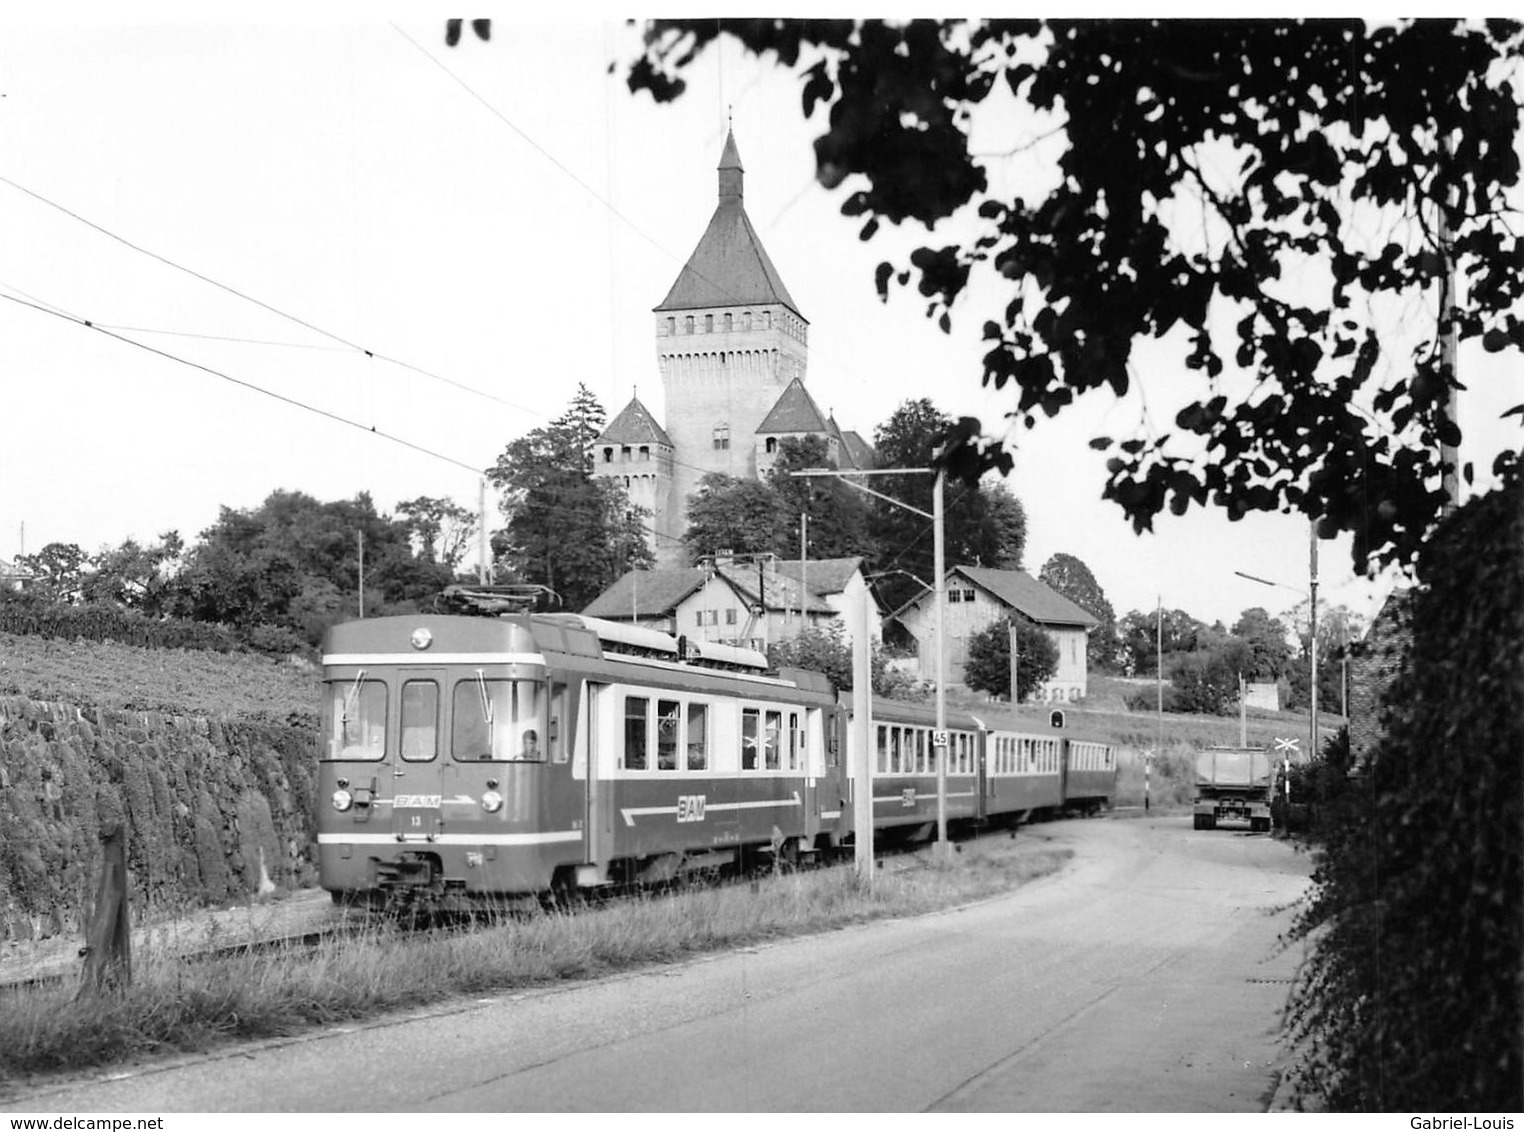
(108, 940)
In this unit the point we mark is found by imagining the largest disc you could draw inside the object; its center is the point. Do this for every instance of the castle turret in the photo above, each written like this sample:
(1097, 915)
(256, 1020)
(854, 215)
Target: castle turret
(637, 451)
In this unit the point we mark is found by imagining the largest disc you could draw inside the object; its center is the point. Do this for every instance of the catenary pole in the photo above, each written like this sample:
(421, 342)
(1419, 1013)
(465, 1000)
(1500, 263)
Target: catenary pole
(861, 745)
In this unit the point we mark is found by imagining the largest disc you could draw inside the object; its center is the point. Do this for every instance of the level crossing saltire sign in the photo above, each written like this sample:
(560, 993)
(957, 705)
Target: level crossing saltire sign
(1290, 746)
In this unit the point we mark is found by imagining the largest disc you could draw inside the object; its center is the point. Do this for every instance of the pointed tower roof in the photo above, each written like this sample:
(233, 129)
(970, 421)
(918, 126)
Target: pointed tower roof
(729, 267)
(794, 411)
(635, 425)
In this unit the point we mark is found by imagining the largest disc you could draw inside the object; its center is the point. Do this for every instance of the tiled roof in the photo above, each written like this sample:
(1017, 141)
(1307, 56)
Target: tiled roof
(646, 593)
(859, 451)
(1017, 590)
(1029, 597)
(635, 425)
(729, 267)
(781, 591)
(823, 575)
(794, 411)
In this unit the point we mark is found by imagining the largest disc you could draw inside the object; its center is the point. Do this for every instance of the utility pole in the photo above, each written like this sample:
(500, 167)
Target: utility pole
(849, 478)
(360, 546)
(1312, 598)
(861, 744)
(482, 570)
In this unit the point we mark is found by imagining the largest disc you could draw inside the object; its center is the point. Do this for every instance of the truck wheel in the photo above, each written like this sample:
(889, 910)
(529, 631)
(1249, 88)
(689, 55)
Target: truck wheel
(1198, 821)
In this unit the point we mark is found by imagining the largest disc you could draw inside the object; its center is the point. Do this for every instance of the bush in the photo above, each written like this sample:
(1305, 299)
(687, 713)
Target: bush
(26, 616)
(1411, 1000)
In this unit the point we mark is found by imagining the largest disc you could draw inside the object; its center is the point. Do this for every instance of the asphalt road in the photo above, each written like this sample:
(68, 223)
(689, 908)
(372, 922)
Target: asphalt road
(1147, 976)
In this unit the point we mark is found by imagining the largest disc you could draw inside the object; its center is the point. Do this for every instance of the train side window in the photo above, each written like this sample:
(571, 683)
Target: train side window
(636, 710)
(796, 747)
(355, 718)
(883, 749)
(698, 737)
(420, 720)
(773, 735)
(751, 719)
(668, 716)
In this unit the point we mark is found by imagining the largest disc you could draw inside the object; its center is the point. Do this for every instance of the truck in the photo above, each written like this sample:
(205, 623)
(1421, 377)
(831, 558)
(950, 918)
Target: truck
(1234, 783)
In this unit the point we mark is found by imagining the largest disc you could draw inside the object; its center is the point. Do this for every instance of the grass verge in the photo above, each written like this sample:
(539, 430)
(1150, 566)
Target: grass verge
(177, 1007)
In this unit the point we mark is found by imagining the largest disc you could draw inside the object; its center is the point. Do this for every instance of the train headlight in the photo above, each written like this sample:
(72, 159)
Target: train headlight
(492, 801)
(342, 800)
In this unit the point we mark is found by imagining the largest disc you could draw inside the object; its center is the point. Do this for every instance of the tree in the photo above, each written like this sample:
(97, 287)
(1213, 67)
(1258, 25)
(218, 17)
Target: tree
(442, 528)
(56, 573)
(839, 516)
(1267, 638)
(566, 529)
(1139, 633)
(981, 526)
(828, 652)
(1198, 164)
(1069, 576)
(729, 515)
(1206, 679)
(988, 668)
(295, 562)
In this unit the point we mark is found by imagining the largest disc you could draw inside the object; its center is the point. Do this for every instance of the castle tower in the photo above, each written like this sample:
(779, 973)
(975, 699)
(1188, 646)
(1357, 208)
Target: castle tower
(729, 341)
(638, 451)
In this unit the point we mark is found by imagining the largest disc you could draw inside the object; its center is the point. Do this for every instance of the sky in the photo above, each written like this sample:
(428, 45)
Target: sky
(336, 256)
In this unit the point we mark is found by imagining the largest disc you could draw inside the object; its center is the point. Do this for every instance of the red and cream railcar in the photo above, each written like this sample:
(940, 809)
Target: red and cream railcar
(1023, 775)
(470, 759)
(1090, 776)
(903, 762)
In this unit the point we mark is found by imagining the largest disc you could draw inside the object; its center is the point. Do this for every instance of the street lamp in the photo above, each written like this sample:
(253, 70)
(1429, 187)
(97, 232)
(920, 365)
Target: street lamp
(1312, 603)
(939, 604)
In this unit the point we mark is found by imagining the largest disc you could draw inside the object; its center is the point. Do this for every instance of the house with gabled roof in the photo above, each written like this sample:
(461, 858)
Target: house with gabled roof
(750, 604)
(732, 348)
(977, 598)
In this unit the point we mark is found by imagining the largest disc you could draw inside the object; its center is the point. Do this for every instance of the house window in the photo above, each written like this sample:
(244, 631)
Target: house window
(968, 595)
(721, 436)
(730, 617)
(954, 596)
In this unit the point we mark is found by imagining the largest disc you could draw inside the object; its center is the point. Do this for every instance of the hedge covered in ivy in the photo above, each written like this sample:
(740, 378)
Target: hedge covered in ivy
(1411, 1000)
(215, 809)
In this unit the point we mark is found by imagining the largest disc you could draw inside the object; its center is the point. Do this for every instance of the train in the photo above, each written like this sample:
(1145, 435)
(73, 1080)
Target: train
(473, 761)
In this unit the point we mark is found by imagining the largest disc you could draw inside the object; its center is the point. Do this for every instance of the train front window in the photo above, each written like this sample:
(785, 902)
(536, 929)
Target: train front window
(420, 720)
(498, 720)
(354, 718)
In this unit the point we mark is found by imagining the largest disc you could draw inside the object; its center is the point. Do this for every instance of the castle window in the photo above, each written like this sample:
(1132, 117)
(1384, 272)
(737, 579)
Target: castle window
(772, 445)
(721, 436)
(645, 451)
(729, 321)
(671, 326)
(746, 320)
(624, 452)
(688, 325)
(709, 324)
(767, 320)
(608, 455)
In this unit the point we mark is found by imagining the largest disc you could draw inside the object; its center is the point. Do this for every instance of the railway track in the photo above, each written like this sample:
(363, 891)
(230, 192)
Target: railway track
(203, 939)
